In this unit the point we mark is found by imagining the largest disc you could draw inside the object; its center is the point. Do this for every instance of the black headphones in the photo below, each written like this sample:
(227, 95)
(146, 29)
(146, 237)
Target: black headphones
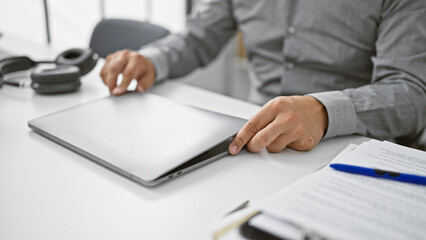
(64, 77)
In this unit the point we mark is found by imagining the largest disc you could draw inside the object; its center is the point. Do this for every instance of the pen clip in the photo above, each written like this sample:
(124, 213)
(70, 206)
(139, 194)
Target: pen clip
(383, 172)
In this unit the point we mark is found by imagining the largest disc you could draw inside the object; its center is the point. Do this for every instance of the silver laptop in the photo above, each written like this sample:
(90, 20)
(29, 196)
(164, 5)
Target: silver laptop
(142, 136)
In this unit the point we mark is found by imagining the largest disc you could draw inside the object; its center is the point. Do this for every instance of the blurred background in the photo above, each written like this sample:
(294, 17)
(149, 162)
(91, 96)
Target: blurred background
(68, 24)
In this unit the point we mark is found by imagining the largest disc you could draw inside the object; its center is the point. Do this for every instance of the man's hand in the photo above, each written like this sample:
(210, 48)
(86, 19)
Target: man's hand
(131, 65)
(297, 122)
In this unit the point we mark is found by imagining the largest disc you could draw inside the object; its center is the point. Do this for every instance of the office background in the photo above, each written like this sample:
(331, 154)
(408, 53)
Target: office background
(71, 24)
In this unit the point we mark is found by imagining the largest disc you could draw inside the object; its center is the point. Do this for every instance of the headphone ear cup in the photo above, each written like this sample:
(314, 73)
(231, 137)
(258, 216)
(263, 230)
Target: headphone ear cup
(84, 59)
(55, 80)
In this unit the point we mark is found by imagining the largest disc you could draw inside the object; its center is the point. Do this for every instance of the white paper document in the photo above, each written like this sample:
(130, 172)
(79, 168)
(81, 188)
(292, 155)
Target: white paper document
(387, 156)
(331, 204)
(338, 205)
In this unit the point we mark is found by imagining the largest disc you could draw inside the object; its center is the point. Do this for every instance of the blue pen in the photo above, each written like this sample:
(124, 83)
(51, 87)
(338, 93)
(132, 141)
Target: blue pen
(378, 173)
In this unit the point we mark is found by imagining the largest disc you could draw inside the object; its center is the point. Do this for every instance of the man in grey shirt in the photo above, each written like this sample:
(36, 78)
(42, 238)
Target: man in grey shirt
(338, 67)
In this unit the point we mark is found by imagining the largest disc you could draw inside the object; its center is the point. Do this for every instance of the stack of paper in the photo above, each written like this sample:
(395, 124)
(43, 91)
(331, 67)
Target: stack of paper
(387, 156)
(337, 205)
(330, 204)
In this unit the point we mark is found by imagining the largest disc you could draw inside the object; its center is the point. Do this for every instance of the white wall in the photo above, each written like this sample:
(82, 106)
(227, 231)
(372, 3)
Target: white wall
(22, 18)
(73, 21)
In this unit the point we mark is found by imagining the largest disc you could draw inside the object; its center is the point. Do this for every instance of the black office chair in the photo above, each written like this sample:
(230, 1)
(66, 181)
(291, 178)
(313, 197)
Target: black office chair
(111, 35)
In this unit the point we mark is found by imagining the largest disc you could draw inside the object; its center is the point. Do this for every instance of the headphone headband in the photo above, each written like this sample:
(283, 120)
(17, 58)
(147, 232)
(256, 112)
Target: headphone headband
(14, 64)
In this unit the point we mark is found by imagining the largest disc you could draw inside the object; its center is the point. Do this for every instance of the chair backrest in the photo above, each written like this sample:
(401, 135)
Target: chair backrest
(111, 35)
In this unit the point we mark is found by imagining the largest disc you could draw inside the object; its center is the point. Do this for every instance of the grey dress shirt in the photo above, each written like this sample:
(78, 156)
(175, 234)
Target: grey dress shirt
(364, 60)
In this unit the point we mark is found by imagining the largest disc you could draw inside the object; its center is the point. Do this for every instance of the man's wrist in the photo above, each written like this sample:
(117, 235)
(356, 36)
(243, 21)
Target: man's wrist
(342, 118)
(321, 114)
(150, 66)
(158, 60)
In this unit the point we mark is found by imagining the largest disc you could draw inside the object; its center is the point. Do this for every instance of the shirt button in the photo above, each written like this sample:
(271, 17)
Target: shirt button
(291, 30)
(290, 65)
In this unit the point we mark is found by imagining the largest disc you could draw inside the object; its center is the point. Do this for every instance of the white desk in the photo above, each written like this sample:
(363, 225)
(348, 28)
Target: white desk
(50, 192)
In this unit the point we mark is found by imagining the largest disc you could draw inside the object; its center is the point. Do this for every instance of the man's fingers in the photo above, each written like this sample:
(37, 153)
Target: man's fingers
(265, 116)
(113, 67)
(279, 143)
(265, 136)
(244, 135)
(114, 71)
(141, 86)
(131, 65)
(145, 81)
(130, 72)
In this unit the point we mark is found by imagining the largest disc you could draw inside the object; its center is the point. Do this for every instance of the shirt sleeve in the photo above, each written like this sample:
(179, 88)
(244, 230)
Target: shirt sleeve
(209, 27)
(394, 104)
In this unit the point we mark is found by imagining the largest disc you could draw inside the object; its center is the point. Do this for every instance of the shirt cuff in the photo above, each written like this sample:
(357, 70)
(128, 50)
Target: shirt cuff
(342, 118)
(159, 60)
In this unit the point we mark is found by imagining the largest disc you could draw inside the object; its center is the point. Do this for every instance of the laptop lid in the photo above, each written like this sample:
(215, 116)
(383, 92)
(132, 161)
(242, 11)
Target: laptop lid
(141, 135)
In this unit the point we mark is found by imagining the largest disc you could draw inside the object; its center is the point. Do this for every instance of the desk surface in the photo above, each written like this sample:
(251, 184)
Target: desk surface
(50, 192)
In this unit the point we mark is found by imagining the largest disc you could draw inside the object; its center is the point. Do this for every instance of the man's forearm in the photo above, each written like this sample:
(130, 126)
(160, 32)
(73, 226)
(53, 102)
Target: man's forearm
(207, 30)
(389, 109)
